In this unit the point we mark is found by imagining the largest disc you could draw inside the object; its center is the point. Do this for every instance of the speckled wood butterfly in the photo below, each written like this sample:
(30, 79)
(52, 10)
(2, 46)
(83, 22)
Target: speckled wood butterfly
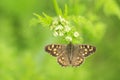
(70, 54)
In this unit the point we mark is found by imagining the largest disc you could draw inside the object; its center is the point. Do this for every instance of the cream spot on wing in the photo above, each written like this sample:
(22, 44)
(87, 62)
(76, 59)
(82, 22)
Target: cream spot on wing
(61, 61)
(54, 49)
(78, 58)
(91, 49)
(83, 46)
(88, 46)
(52, 45)
(62, 58)
(55, 52)
(49, 48)
(83, 54)
(80, 47)
(59, 47)
(81, 60)
(85, 50)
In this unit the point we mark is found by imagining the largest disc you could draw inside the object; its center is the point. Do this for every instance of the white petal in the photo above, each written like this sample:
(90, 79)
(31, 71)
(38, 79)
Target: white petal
(76, 34)
(68, 38)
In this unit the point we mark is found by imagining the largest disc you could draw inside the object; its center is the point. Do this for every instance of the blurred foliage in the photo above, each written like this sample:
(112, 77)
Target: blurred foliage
(65, 26)
(22, 55)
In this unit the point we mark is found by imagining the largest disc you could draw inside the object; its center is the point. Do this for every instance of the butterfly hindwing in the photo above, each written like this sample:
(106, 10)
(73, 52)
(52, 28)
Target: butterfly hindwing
(77, 58)
(63, 59)
(86, 50)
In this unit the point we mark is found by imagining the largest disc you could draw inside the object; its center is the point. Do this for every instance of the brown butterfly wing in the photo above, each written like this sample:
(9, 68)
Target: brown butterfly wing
(63, 59)
(79, 52)
(60, 52)
(70, 54)
(77, 58)
(86, 50)
(54, 49)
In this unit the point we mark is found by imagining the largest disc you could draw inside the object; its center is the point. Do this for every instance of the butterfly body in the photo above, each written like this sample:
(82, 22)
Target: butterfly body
(70, 55)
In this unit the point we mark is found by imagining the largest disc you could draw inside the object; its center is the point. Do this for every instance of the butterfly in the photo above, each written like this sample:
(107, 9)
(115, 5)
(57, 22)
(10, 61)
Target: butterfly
(70, 55)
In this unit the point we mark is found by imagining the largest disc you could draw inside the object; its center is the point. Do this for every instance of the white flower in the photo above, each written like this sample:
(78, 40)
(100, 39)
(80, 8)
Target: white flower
(61, 34)
(55, 22)
(76, 34)
(67, 28)
(61, 19)
(59, 27)
(55, 34)
(52, 27)
(68, 38)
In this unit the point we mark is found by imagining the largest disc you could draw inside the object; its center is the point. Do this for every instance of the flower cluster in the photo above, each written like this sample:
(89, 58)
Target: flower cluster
(61, 27)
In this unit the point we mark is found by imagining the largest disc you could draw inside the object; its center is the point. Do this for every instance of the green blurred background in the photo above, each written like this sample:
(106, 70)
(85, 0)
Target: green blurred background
(22, 55)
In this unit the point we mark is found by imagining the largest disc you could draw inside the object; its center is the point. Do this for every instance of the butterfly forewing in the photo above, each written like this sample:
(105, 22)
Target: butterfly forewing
(60, 52)
(54, 49)
(86, 50)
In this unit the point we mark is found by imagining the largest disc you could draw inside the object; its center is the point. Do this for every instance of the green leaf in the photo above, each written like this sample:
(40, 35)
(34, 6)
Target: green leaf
(45, 21)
